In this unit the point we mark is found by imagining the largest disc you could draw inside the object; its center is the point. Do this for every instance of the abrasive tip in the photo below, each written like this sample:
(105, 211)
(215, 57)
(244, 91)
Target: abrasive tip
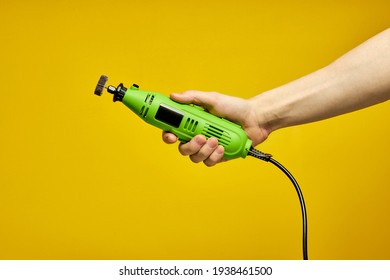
(101, 85)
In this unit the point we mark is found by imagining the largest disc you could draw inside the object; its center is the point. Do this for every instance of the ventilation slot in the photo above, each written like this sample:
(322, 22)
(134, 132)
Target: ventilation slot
(212, 131)
(190, 125)
(144, 111)
(149, 99)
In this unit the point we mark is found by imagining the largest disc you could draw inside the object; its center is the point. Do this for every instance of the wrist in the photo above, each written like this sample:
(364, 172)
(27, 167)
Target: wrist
(268, 113)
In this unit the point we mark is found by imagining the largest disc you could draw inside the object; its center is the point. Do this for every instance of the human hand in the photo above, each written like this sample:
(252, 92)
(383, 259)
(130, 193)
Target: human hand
(235, 109)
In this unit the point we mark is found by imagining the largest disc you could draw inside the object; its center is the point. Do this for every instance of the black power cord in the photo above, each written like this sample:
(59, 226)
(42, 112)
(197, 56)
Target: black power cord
(267, 157)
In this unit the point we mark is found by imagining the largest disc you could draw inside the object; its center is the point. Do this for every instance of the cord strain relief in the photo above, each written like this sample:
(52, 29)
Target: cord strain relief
(258, 154)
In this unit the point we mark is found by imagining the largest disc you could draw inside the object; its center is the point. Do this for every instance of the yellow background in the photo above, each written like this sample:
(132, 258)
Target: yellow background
(84, 178)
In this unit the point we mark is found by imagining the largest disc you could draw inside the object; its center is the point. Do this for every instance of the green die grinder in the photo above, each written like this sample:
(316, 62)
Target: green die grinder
(183, 120)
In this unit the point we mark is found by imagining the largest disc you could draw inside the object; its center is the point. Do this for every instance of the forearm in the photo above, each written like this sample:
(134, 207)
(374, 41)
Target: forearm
(356, 80)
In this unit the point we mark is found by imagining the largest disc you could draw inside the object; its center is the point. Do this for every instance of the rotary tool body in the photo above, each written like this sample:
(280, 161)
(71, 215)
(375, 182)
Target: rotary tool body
(183, 120)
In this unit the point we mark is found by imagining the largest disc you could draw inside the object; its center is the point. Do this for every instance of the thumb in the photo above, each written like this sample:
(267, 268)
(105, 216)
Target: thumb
(201, 98)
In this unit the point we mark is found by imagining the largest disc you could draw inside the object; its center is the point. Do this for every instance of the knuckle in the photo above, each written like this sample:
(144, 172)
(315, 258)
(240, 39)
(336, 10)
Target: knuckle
(203, 154)
(183, 149)
(209, 163)
(195, 158)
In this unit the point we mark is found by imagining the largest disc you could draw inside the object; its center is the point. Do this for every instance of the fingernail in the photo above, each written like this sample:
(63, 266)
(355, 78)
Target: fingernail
(220, 149)
(200, 140)
(213, 143)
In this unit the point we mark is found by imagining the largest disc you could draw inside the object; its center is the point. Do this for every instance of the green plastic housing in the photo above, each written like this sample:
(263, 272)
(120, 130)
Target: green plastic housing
(186, 121)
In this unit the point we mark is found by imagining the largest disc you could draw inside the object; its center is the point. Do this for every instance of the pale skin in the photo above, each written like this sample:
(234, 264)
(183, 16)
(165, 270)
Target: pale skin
(356, 80)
